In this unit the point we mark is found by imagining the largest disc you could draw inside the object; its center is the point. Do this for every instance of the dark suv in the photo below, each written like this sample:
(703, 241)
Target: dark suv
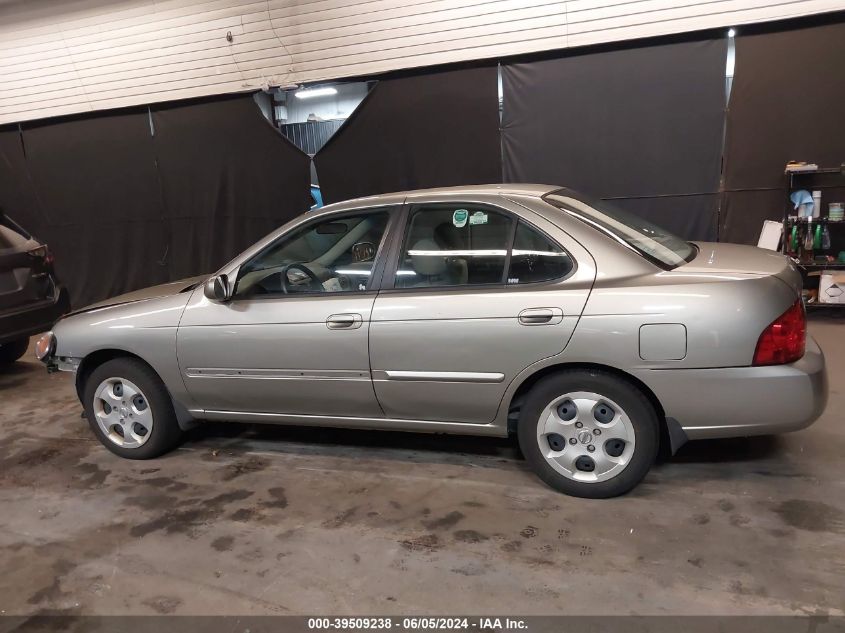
(31, 300)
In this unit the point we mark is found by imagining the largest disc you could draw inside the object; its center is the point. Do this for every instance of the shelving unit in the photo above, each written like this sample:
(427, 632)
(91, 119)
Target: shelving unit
(823, 178)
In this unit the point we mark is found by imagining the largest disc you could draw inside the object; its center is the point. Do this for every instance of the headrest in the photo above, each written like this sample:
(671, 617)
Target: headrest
(424, 261)
(448, 235)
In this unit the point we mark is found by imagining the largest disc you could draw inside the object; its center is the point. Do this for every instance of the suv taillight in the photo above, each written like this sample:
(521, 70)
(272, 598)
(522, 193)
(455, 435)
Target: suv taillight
(40, 252)
(783, 341)
(43, 253)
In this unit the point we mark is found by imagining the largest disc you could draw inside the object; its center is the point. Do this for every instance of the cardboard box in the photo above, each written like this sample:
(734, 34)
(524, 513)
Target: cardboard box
(832, 287)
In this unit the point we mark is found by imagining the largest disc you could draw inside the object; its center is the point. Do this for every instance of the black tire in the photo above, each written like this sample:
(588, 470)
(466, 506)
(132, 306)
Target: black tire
(639, 410)
(165, 434)
(13, 350)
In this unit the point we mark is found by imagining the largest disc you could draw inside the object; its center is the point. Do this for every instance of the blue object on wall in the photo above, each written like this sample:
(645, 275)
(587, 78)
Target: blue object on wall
(317, 195)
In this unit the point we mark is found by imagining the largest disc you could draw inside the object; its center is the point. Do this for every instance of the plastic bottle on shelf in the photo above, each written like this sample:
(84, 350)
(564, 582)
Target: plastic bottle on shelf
(808, 241)
(825, 238)
(817, 237)
(817, 203)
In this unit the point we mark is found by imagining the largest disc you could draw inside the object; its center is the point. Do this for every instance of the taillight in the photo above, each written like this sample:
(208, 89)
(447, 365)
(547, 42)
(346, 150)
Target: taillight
(40, 252)
(43, 253)
(783, 341)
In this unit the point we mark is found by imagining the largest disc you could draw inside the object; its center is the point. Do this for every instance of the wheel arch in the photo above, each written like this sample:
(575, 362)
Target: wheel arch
(94, 360)
(670, 440)
(99, 357)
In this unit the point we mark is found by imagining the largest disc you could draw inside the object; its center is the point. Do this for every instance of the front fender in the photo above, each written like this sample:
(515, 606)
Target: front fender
(146, 329)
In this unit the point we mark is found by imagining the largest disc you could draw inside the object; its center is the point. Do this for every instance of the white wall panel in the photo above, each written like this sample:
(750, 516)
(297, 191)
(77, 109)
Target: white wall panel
(65, 56)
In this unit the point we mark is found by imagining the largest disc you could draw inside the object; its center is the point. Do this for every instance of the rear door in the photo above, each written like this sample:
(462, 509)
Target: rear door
(473, 294)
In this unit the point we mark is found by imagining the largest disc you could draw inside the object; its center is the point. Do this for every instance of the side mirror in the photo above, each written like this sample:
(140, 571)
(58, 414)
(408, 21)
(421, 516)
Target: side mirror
(217, 289)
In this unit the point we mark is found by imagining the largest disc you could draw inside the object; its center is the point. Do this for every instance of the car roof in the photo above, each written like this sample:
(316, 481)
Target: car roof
(482, 191)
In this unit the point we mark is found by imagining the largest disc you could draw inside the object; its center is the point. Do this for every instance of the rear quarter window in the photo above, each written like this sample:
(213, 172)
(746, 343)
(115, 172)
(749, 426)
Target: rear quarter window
(536, 258)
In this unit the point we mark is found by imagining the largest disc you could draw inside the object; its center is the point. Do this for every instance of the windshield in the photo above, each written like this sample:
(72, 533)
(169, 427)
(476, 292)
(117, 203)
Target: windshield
(656, 244)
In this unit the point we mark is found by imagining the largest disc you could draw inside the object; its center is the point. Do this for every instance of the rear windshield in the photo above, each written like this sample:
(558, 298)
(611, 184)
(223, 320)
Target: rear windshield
(652, 242)
(11, 235)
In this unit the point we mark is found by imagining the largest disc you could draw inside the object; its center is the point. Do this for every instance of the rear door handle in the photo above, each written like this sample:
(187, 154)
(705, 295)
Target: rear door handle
(348, 321)
(541, 316)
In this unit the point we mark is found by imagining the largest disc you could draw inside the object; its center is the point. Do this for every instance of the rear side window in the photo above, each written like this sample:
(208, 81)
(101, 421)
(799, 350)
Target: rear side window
(11, 235)
(454, 246)
(536, 258)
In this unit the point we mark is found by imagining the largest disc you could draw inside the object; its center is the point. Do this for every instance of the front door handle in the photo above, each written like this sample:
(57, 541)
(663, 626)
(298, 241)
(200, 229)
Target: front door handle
(541, 316)
(349, 321)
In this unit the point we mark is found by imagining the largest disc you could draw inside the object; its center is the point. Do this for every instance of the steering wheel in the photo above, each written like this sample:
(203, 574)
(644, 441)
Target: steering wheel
(303, 268)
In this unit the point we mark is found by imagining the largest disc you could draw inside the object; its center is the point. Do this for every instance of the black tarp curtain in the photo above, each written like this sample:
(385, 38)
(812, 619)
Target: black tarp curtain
(134, 198)
(787, 103)
(429, 130)
(227, 179)
(643, 125)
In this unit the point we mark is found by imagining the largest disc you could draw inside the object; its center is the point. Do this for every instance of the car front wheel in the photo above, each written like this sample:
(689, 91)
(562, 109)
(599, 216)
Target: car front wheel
(130, 410)
(13, 350)
(588, 433)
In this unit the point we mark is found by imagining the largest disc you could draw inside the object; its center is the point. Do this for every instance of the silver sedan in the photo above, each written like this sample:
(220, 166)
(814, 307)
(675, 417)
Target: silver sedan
(591, 334)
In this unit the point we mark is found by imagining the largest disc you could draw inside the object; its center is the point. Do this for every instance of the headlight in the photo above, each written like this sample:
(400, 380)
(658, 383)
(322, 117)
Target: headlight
(45, 346)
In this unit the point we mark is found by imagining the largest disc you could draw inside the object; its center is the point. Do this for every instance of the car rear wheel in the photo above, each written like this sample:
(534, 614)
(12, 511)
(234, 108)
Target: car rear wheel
(130, 411)
(588, 433)
(13, 350)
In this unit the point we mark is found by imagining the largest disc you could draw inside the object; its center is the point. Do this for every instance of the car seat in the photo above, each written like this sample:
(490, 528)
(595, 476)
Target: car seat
(449, 237)
(436, 270)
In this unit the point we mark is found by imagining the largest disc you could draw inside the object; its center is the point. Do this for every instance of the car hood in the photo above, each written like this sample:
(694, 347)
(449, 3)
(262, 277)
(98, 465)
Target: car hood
(144, 294)
(718, 258)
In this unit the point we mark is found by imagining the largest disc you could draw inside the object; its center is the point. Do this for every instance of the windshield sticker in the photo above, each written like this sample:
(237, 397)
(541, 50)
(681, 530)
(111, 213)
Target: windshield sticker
(478, 217)
(459, 218)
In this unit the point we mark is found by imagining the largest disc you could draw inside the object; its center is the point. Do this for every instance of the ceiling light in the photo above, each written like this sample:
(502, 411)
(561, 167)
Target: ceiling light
(731, 32)
(307, 93)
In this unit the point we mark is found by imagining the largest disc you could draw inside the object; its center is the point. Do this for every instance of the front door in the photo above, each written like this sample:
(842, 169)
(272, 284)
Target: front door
(479, 294)
(294, 337)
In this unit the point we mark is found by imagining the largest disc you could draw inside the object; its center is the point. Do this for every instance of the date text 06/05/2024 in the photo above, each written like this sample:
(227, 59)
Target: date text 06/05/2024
(418, 623)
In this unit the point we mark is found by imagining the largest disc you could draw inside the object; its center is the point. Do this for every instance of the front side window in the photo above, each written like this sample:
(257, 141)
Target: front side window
(331, 255)
(536, 258)
(653, 242)
(454, 245)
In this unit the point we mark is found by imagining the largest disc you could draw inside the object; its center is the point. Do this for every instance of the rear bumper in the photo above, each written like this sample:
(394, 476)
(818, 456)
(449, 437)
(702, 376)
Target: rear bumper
(34, 318)
(740, 401)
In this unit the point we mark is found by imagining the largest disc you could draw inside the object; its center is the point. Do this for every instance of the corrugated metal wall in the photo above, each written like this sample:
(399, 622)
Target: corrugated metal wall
(310, 137)
(68, 56)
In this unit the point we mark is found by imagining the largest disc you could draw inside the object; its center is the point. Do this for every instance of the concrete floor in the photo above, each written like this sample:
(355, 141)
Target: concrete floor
(262, 520)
